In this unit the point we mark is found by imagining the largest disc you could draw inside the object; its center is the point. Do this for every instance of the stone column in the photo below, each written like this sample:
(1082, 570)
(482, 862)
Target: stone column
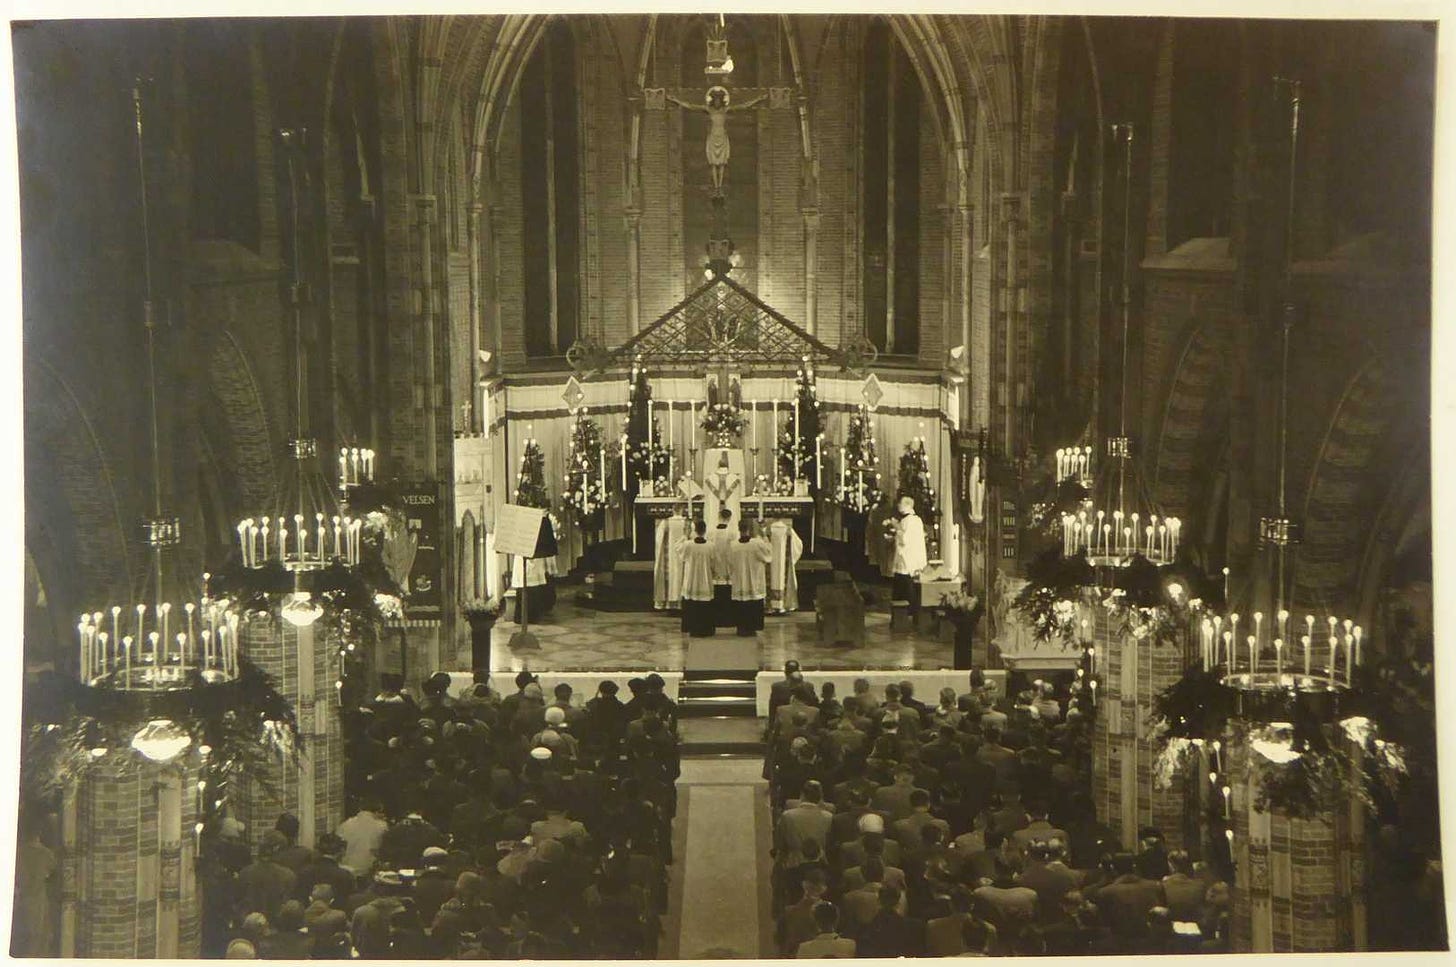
(128, 885)
(1132, 672)
(305, 665)
(1298, 883)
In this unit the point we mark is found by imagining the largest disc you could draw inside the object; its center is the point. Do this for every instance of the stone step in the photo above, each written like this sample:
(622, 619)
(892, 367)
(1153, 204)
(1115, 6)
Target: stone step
(704, 706)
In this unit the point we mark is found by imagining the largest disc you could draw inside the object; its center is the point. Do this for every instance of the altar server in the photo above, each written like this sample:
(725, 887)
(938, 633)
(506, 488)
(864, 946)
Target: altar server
(673, 534)
(722, 539)
(783, 581)
(748, 558)
(697, 584)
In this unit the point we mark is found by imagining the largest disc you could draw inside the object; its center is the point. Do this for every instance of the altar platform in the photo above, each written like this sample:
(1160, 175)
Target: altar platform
(575, 638)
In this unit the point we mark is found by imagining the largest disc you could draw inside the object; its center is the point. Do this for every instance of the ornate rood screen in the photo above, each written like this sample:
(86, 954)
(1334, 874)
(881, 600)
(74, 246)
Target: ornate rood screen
(721, 325)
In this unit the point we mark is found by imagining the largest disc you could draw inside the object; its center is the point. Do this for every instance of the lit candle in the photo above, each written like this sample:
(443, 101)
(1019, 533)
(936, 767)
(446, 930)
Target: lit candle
(181, 649)
(103, 653)
(155, 639)
(1225, 585)
(818, 450)
(624, 463)
(843, 462)
(1279, 661)
(1305, 641)
(1227, 805)
(207, 648)
(1334, 643)
(602, 469)
(83, 660)
(1234, 631)
(1258, 631)
(692, 424)
(1228, 649)
(1357, 634)
(126, 676)
(671, 433)
(795, 449)
(166, 610)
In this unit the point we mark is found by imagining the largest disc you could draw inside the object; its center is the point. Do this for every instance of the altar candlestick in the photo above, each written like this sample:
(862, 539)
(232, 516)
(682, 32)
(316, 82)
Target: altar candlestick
(1357, 634)
(624, 463)
(1278, 661)
(818, 462)
(1305, 641)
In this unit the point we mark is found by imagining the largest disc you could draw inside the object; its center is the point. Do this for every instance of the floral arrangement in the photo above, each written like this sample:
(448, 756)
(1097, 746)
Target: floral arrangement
(477, 609)
(960, 605)
(723, 419)
(1048, 601)
(764, 485)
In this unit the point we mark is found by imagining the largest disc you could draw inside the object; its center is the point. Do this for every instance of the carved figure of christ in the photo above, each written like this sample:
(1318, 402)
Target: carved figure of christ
(717, 103)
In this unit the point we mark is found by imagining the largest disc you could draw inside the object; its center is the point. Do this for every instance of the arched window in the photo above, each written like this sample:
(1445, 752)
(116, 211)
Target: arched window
(551, 194)
(890, 101)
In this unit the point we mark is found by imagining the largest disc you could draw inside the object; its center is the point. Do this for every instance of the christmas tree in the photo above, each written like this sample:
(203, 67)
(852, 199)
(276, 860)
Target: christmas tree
(858, 489)
(585, 497)
(531, 480)
(915, 483)
(639, 419)
(801, 447)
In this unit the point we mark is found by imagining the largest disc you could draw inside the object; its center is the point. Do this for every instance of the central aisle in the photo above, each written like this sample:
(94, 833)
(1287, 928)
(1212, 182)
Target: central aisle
(720, 885)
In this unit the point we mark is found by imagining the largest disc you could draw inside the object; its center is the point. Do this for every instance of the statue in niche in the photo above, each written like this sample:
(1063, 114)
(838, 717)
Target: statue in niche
(716, 104)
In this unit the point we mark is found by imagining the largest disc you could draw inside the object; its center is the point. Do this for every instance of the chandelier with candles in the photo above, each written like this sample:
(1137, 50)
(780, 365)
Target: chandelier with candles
(1280, 652)
(1116, 521)
(306, 529)
(164, 639)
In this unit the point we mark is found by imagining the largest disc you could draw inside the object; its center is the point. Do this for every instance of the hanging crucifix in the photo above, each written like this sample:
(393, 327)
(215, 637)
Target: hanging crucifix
(717, 103)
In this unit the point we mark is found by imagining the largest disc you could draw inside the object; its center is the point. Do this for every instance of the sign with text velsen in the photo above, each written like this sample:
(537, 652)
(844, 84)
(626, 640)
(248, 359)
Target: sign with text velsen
(522, 531)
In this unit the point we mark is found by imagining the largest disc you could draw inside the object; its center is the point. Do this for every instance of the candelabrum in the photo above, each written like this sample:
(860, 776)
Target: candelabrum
(1075, 463)
(1255, 654)
(159, 645)
(356, 466)
(306, 531)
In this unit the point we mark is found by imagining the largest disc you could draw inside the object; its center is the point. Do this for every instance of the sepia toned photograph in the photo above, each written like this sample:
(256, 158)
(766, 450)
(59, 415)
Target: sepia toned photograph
(714, 485)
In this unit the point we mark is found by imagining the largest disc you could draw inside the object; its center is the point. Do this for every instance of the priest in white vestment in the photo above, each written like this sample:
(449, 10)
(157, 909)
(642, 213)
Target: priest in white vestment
(783, 582)
(722, 538)
(673, 534)
(748, 560)
(697, 584)
(910, 557)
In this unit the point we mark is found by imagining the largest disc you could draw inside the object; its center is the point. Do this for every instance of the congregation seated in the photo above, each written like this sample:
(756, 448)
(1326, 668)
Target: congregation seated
(487, 827)
(907, 829)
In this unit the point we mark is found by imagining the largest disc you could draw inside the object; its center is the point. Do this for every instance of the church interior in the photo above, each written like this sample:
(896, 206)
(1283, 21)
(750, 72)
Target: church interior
(726, 486)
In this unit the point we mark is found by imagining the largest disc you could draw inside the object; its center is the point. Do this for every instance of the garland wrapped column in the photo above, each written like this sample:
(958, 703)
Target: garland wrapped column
(1132, 669)
(1298, 881)
(305, 663)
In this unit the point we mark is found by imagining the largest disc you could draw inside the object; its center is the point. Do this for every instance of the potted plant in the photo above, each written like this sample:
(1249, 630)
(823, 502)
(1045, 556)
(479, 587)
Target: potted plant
(481, 616)
(963, 610)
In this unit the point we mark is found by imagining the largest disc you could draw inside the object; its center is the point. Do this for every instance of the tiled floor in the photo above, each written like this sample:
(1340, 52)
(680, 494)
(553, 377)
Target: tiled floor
(579, 639)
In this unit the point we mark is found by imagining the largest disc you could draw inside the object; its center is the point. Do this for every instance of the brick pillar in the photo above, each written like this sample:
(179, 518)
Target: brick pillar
(1132, 672)
(305, 667)
(129, 890)
(1298, 883)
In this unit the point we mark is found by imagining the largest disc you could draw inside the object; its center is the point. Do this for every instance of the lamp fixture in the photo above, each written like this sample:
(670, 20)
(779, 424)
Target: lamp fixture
(151, 643)
(306, 528)
(1117, 521)
(1320, 653)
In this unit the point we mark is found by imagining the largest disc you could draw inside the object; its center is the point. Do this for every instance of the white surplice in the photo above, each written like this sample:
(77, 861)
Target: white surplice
(672, 534)
(783, 583)
(697, 571)
(748, 564)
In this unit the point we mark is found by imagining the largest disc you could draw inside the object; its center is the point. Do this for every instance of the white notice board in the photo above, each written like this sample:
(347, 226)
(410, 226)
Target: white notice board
(517, 529)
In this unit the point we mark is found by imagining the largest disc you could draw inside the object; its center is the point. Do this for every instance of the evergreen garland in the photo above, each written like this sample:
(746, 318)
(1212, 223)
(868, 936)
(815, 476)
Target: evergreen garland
(531, 481)
(915, 482)
(247, 725)
(860, 492)
(585, 499)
